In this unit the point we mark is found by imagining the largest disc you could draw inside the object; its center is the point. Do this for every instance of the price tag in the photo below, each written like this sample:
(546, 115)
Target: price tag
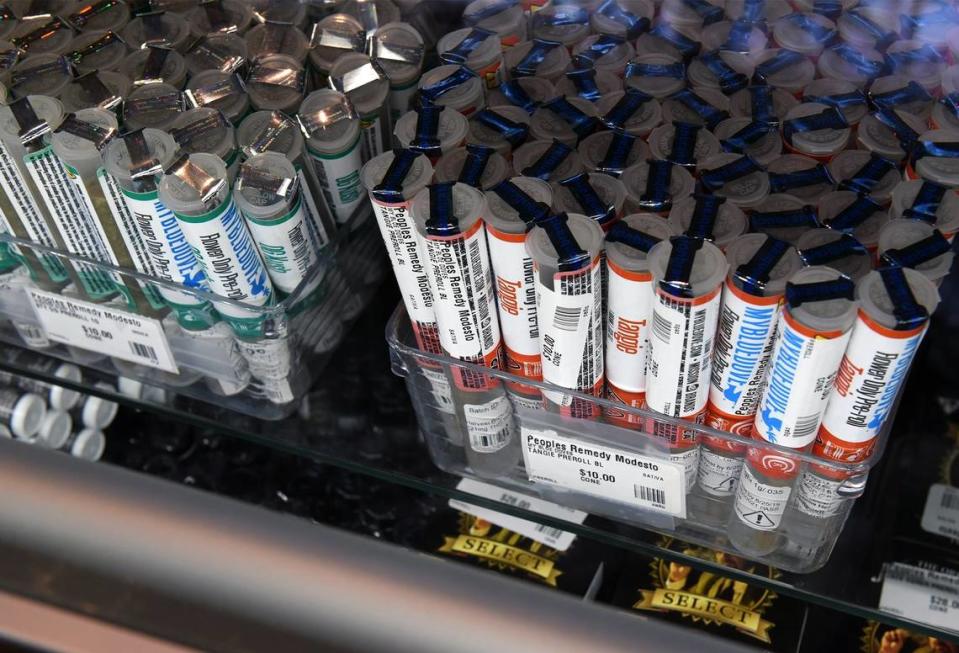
(103, 329)
(642, 481)
(941, 514)
(925, 595)
(552, 537)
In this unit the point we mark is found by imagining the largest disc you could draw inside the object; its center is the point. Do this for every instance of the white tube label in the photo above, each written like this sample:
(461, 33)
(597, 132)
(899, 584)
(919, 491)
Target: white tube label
(718, 474)
(318, 229)
(401, 97)
(405, 249)
(688, 459)
(516, 305)
(801, 375)
(759, 505)
(629, 308)
(75, 224)
(18, 192)
(371, 136)
(871, 372)
(286, 246)
(126, 225)
(570, 316)
(225, 250)
(680, 350)
(744, 344)
(817, 496)
(173, 259)
(461, 280)
(339, 178)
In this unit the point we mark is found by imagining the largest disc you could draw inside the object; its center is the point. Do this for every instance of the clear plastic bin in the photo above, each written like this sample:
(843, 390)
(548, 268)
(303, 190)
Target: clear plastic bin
(262, 368)
(620, 488)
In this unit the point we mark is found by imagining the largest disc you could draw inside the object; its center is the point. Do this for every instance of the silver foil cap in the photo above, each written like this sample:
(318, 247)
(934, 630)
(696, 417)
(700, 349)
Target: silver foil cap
(205, 185)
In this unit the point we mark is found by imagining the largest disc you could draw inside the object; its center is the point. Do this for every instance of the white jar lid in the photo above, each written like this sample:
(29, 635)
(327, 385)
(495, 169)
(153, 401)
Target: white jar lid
(854, 264)
(901, 233)
(451, 128)
(741, 103)
(708, 270)
(61, 398)
(747, 190)
(874, 299)
(88, 445)
(450, 165)
(55, 429)
(947, 213)
(743, 249)
(654, 85)
(593, 151)
(644, 119)
(661, 143)
(791, 33)
(824, 316)
(818, 142)
(27, 416)
(831, 205)
(825, 88)
(730, 223)
(630, 258)
(765, 150)
(530, 152)
(847, 163)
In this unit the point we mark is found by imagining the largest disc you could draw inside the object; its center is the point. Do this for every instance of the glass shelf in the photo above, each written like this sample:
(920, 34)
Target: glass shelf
(358, 418)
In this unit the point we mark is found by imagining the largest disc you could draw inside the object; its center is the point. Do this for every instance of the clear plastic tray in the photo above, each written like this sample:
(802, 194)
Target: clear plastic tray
(703, 520)
(263, 372)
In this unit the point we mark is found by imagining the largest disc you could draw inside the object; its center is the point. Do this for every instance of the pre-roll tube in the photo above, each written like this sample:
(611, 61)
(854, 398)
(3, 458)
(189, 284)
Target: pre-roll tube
(449, 221)
(514, 205)
(565, 249)
(811, 337)
(271, 200)
(894, 308)
(688, 278)
(392, 180)
(78, 143)
(629, 306)
(759, 266)
(134, 161)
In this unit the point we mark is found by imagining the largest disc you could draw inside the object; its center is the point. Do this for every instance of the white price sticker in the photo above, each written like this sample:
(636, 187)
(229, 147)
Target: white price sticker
(941, 514)
(642, 481)
(925, 595)
(552, 537)
(102, 329)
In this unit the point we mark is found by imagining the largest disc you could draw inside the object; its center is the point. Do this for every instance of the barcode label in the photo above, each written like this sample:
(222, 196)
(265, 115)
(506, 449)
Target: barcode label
(641, 481)
(103, 329)
(650, 494)
(144, 351)
(489, 425)
(567, 319)
(941, 513)
(549, 532)
(555, 538)
(463, 298)
(680, 353)
(806, 426)
(662, 328)
(572, 335)
(950, 501)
